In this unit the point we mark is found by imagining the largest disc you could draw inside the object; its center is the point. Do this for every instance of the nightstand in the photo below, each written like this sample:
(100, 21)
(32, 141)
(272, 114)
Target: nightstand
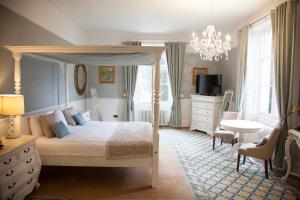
(20, 167)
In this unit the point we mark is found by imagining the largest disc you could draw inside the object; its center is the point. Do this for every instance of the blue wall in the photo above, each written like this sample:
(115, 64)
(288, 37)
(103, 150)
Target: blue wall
(41, 80)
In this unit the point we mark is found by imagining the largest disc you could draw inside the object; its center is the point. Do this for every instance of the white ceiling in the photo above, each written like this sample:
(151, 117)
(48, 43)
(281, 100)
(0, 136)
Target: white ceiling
(156, 16)
(113, 21)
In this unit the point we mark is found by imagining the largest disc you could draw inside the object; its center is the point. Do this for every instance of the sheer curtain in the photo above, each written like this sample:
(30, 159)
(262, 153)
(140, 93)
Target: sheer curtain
(143, 92)
(260, 99)
(242, 68)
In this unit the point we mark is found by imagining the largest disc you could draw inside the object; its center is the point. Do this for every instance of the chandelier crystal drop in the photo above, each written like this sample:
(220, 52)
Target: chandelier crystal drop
(211, 46)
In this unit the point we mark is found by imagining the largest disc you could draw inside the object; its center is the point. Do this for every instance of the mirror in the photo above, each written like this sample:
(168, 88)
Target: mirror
(80, 79)
(225, 104)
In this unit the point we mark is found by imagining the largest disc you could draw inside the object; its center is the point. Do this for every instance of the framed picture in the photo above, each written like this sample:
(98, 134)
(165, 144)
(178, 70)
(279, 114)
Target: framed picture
(106, 74)
(198, 70)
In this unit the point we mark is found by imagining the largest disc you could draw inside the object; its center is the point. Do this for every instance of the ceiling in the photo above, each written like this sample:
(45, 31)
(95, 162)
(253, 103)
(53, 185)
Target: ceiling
(113, 21)
(156, 16)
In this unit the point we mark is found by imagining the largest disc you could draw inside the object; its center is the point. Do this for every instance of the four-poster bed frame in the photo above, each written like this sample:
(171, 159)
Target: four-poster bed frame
(18, 51)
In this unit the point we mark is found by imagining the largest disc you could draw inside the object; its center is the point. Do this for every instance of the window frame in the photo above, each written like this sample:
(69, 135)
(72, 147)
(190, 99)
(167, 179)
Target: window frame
(268, 118)
(147, 105)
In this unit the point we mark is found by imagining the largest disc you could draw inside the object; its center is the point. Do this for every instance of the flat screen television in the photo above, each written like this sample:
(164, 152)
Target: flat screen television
(209, 84)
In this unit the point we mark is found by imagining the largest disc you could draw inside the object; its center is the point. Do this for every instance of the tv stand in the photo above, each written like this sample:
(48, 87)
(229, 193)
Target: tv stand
(205, 112)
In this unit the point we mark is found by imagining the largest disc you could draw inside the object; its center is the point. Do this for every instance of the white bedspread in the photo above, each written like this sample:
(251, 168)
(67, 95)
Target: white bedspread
(87, 140)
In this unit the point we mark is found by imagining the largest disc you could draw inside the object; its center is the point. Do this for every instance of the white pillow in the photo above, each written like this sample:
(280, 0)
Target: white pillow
(86, 115)
(61, 117)
(35, 126)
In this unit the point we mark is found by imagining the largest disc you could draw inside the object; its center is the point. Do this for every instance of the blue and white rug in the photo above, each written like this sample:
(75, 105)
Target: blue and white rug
(212, 176)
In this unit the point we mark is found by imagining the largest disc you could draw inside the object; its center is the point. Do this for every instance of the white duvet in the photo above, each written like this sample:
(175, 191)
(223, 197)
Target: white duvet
(87, 140)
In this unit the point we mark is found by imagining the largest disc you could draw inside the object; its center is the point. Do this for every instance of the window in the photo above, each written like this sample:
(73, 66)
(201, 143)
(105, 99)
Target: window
(143, 90)
(260, 99)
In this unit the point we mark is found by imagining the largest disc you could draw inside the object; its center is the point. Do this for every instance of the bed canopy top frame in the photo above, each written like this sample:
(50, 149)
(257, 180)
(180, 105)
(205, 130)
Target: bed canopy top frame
(18, 51)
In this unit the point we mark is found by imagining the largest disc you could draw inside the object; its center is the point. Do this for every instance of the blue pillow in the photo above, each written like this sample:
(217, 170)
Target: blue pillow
(59, 129)
(79, 119)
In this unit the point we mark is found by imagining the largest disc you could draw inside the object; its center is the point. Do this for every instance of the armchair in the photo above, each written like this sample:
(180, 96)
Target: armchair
(264, 152)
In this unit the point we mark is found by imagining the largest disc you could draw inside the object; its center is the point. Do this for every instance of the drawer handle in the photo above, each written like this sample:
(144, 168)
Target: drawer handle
(29, 182)
(10, 173)
(26, 150)
(7, 162)
(12, 186)
(31, 171)
(28, 161)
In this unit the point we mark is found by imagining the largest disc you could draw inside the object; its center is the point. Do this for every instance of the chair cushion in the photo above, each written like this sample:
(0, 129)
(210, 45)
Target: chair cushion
(243, 148)
(226, 135)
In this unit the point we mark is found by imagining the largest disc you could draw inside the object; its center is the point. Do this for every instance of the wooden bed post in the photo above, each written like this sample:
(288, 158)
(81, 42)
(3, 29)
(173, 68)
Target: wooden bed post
(156, 121)
(66, 84)
(17, 78)
(17, 75)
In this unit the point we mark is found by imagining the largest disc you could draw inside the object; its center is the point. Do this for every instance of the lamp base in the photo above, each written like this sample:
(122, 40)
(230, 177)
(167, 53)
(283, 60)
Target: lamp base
(11, 129)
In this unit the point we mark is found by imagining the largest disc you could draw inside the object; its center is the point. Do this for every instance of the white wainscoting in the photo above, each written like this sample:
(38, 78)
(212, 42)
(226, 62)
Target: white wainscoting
(116, 106)
(109, 108)
(186, 108)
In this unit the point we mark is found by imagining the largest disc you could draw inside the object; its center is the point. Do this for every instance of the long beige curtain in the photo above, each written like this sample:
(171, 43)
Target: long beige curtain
(242, 67)
(175, 52)
(283, 29)
(130, 83)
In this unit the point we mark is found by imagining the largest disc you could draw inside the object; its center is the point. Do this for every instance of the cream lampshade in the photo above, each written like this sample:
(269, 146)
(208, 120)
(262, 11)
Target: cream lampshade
(12, 105)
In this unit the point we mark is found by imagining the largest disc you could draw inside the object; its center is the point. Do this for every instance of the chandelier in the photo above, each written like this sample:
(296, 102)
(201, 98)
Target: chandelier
(211, 46)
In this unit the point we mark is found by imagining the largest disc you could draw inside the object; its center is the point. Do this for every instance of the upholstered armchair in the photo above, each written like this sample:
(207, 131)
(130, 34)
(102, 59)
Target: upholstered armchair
(226, 136)
(263, 152)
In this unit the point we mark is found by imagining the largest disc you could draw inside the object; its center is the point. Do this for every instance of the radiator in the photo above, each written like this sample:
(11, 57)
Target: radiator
(146, 115)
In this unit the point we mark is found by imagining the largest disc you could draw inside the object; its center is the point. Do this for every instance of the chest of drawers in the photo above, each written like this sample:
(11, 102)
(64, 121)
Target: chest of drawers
(20, 166)
(205, 112)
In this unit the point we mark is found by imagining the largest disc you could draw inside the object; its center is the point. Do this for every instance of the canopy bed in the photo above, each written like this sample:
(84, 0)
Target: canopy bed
(101, 55)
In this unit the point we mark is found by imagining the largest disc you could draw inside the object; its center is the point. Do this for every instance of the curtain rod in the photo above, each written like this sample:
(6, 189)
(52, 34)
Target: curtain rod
(278, 3)
(261, 18)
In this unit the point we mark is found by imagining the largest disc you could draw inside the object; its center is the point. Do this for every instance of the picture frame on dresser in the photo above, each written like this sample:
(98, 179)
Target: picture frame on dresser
(20, 167)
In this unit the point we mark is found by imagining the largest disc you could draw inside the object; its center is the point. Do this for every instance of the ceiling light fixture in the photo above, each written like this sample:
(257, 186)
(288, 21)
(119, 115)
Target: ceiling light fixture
(211, 46)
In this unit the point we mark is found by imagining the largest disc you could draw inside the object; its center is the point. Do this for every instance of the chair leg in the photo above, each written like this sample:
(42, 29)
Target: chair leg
(221, 141)
(270, 163)
(244, 160)
(214, 140)
(266, 169)
(238, 162)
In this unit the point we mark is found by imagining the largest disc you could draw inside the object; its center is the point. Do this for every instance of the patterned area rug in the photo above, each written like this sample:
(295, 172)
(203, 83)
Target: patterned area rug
(212, 176)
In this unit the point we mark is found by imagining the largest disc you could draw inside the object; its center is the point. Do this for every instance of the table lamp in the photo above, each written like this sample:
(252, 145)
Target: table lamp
(12, 105)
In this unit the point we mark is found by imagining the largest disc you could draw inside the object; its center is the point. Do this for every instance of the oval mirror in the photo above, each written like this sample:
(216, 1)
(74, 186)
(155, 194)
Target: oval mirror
(80, 79)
